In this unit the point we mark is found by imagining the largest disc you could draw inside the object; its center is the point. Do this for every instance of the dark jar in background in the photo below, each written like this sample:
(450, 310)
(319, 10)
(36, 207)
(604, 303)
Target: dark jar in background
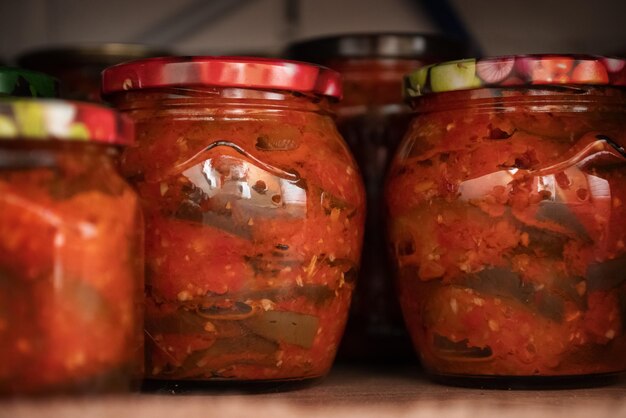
(71, 252)
(254, 211)
(373, 117)
(507, 220)
(78, 67)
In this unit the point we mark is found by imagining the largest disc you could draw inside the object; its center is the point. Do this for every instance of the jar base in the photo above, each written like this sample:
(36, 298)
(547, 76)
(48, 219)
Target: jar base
(182, 387)
(528, 382)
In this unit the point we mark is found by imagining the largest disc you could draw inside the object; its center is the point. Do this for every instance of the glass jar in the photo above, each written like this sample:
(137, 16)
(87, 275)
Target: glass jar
(506, 204)
(71, 265)
(78, 67)
(254, 210)
(373, 117)
(16, 82)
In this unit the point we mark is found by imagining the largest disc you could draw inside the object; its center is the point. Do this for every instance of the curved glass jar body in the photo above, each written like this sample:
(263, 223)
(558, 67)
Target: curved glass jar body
(373, 117)
(71, 270)
(254, 211)
(507, 228)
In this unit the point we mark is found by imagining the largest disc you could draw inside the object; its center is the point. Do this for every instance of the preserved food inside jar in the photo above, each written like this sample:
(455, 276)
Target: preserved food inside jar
(373, 117)
(254, 211)
(506, 208)
(71, 266)
(78, 67)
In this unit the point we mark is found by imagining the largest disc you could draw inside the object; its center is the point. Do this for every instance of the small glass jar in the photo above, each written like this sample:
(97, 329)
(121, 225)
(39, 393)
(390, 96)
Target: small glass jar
(373, 117)
(78, 67)
(71, 255)
(507, 205)
(17, 82)
(254, 211)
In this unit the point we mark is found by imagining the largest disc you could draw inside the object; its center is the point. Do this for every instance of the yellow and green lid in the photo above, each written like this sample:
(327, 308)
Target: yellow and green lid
(62, 120)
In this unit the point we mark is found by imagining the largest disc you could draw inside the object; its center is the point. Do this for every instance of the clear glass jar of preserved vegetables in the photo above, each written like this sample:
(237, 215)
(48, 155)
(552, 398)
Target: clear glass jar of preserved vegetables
(71, 255)
(254, 210)
(373, 117)
(507, 207)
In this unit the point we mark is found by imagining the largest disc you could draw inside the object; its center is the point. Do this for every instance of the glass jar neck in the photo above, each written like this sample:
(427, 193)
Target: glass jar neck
(218, 100)
(532, 98)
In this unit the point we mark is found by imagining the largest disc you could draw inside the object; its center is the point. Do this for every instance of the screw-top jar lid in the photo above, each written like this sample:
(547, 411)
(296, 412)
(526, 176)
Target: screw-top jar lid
(518, 70)
(417, 46)
(32, 119)
(242, 72)
(17, 82)
(98, 54)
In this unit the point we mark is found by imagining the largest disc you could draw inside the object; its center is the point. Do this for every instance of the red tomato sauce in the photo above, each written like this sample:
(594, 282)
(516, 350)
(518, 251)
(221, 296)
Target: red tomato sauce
(507, 230)
(70, 264)
(254, 213)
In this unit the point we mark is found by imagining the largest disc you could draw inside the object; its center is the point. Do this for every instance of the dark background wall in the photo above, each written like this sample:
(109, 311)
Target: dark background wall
(264, 26)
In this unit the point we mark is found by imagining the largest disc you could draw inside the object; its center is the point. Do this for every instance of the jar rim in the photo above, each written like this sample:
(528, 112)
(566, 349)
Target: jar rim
(516, 71)
(242, 72)
(50, 119)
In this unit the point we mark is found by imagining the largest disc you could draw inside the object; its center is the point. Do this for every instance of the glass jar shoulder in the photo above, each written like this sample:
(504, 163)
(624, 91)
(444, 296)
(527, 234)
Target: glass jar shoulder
(304, 142)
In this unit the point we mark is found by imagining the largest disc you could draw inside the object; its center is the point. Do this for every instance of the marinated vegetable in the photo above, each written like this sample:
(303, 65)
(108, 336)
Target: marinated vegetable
(254, 213)
(507, 221)
(70, 253)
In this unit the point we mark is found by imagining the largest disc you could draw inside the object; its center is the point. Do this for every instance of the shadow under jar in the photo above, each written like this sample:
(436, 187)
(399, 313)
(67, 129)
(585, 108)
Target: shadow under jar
(373, 117)
(71, 255)
(254, 211)
(507, 220)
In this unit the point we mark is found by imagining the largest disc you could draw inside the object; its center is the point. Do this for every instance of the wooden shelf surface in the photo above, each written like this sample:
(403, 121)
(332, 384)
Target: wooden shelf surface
(349, 391)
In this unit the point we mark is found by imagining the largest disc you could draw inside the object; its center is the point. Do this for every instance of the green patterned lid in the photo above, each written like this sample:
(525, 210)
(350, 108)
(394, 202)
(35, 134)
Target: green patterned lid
(516, 71)
(17, 82)
(50, 119)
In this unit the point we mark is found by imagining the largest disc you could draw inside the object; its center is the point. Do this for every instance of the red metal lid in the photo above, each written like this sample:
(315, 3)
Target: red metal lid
(33, 119)
(243, 72)
(517, 71)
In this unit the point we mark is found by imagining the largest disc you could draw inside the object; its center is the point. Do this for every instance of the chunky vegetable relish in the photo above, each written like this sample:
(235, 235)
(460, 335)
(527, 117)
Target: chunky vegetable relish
(507, 210)
(70, 270)
(254, 211)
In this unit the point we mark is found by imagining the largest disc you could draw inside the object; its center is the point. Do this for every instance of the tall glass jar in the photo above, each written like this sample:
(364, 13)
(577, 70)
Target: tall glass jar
(373, 117)
(254, 212)
(71, 255)
(506, 203)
